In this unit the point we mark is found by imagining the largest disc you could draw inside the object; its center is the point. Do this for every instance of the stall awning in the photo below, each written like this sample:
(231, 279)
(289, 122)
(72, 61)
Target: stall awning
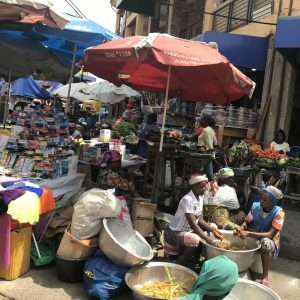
(287, 33)
(242, 50)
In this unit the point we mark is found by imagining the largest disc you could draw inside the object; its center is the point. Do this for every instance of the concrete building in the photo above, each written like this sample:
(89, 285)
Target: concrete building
(179, 18)
(276, 22)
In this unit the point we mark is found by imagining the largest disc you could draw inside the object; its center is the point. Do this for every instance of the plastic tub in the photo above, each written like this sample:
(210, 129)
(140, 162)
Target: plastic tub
(69, 270)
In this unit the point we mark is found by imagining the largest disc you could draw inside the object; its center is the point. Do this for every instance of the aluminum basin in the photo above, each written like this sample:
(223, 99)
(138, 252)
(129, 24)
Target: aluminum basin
(123, 245)
(249, 290)
(243, 258)
(156, 271)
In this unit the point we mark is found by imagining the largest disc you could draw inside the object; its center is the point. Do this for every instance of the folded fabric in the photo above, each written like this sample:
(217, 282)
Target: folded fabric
(12, 185)
(3, 207)
(47, 202)
(37, 191)
(25, 209)
(5, 226)
(4, 179)
(10, 195)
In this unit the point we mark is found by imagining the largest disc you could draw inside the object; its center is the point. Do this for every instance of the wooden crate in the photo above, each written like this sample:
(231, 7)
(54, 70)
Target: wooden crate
(19, 254)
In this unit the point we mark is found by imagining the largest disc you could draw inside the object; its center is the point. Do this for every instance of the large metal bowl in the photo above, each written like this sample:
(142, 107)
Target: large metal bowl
(157, 271)
(123, 245)
(249, 290)
(243, 258)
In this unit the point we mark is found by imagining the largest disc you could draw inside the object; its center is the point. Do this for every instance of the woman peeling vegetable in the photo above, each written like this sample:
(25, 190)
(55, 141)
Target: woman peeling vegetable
(186, 231)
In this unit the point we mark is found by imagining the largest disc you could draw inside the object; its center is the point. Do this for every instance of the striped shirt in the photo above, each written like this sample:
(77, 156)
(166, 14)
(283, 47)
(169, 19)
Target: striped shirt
(189, 204)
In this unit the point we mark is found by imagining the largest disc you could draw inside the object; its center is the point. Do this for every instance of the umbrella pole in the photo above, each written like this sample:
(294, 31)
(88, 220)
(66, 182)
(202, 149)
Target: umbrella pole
(165, 110)
(8, 92)
(71, 78)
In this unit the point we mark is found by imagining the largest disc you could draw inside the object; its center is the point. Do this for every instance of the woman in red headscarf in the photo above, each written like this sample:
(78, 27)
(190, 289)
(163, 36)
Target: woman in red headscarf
(113, 174)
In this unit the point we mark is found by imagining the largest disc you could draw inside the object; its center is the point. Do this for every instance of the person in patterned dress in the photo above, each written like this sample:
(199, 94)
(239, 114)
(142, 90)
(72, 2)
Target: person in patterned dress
(267, 219)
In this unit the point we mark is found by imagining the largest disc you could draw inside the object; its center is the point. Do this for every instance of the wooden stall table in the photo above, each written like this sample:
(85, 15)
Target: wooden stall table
(192, 162)
(288, 195)
(158, 160)
(226, 135)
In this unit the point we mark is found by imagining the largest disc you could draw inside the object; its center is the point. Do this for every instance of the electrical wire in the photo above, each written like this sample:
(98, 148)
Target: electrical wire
(75, 8)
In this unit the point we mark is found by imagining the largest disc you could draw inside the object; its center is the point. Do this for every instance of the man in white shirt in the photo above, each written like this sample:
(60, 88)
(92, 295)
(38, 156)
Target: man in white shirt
(187, 228)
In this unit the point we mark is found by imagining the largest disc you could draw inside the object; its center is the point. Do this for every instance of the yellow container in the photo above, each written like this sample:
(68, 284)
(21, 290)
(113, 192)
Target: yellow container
(19, 254)
(91, 105)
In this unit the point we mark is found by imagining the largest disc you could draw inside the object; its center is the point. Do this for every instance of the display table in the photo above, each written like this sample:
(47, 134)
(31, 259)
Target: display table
(228, 135)
(62, 185)
(291, 172)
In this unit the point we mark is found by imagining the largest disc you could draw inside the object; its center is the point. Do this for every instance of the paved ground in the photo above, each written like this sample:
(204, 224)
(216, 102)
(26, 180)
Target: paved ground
(42, 284)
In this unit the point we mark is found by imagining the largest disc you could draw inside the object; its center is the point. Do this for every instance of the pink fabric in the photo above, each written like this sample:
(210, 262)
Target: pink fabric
(190, 239)
(5, 226)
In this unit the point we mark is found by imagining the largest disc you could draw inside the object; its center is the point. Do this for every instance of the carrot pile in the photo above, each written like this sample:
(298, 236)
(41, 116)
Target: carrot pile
(163, 289)
(268, 153)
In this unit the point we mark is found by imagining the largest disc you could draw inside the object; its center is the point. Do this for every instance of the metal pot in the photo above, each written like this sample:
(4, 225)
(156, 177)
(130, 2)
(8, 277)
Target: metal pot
(123, 245)
(243, 258)
(156, 271)
(248, 290)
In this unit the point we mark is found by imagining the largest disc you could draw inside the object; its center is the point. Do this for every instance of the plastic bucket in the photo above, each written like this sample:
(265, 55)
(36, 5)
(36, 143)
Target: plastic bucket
(69, 270)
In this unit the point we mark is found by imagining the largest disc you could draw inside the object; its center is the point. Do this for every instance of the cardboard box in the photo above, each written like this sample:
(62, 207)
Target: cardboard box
(19, 254)
(72, 248)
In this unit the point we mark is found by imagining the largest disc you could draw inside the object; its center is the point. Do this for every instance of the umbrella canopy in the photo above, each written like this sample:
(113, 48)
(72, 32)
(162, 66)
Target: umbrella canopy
(27, 87)
(82, 32)
(107, 92)
(75, 93)
(29, 11)
(197, 72)
(27, 57)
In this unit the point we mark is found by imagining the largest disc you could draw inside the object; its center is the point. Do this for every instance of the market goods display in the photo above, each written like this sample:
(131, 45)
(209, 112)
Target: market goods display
(293, 162)
(268, 158)
(122, 128)
(240, 155)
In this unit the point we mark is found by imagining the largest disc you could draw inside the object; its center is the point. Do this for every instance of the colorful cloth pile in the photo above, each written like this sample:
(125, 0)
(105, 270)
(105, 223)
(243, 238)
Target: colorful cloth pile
(23, 202)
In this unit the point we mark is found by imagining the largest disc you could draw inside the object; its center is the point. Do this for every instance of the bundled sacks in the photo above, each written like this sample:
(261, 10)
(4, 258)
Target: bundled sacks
(90, 209)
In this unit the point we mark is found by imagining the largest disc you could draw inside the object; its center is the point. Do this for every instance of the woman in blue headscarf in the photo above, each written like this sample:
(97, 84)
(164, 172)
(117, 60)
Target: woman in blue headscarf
(267, 219)
(217, 278)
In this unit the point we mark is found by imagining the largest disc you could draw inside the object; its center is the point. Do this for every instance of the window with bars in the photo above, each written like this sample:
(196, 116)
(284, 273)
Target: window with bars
(238, 13)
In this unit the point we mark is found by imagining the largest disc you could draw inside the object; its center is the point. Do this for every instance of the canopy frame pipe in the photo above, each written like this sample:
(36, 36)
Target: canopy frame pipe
(71, 77)
(165, 110)
(8, 91)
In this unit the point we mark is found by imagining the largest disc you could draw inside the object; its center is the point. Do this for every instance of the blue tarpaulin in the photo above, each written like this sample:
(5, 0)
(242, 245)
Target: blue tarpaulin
(27, 87)
(287, 32)
(241, 50)
(59, 43)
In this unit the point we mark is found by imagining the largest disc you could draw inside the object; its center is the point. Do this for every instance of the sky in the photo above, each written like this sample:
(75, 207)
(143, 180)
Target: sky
(99, 11)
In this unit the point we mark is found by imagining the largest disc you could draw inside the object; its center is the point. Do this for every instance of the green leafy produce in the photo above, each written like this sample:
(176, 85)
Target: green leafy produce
(123, 128)
(293, 162)
(240, 155)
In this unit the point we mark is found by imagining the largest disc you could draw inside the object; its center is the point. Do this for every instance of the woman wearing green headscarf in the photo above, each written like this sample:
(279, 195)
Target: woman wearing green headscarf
(217, 278)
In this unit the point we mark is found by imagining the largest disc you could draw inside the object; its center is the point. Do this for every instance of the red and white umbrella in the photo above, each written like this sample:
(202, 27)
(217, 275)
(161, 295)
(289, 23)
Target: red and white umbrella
(159, 62)
(29, 11)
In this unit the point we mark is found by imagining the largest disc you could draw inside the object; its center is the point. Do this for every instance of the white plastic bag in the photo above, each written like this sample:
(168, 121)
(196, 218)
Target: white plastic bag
(91, 208)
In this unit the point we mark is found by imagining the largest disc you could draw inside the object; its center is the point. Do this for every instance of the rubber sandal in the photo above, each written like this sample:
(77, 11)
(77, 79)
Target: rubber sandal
(265, 282)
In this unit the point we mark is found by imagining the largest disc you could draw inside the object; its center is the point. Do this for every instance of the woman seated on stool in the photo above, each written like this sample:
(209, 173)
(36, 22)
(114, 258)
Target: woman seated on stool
(267, 219)
(187, 228)
(113, 175)
(218, 277)
(221, 205)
